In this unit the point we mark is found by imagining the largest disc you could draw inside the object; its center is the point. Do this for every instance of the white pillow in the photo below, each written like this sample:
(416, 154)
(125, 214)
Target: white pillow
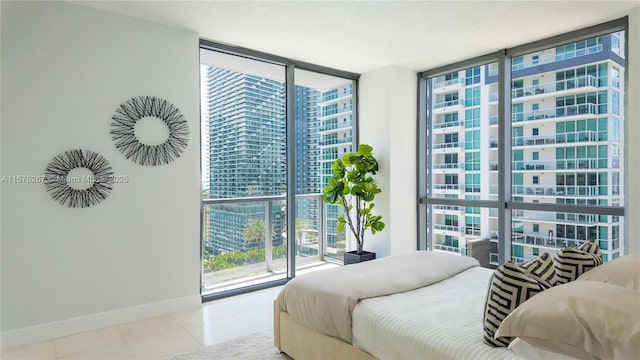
(529, 351)
(623, 271)
(601, 319)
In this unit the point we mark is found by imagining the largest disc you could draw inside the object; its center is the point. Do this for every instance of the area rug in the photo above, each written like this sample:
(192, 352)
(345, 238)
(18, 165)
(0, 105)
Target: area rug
(255, 346)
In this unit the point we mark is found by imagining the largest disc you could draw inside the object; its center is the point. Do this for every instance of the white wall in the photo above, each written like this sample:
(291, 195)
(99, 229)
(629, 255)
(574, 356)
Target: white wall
(65, 70)
(632, 204)
(387, 121)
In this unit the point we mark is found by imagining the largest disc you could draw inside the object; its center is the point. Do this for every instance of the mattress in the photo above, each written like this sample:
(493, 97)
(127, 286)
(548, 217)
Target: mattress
(441, 321)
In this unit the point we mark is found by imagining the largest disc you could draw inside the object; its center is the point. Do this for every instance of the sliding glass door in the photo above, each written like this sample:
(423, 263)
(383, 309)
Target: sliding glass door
(271, 130)
(244, 169)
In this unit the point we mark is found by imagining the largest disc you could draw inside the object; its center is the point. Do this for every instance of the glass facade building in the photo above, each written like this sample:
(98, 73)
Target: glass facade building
(566, 148)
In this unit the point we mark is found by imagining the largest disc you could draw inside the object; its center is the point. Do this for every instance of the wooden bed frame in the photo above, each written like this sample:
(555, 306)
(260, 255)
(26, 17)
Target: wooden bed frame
(301, 342)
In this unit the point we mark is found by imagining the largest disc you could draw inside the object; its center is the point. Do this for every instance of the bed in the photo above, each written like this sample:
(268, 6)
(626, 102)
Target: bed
(386, 313)
(417, 305)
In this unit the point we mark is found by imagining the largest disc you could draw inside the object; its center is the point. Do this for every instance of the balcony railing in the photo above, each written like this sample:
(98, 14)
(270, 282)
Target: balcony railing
(248, 236)
(336, 126)
(541, 165)
(335, 95)
(447, 248)
(562, 138)
(558, 190)
(573, 83)
(444, 83)
(545, 241)
(447, 124)
(446, 166)
(454, 228)
(552, 57)
(562, 111)
(448, 103)
(448, 186)
(344, 140)
(446, 207)
(334, 111)
(447, 145)
(555, 217)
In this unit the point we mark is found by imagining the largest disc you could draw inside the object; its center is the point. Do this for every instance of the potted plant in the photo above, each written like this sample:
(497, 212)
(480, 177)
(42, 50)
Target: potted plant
(353, 187)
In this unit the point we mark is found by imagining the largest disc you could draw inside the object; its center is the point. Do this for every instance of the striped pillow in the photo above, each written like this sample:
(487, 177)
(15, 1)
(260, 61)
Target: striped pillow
(570, 263)
(510, 286)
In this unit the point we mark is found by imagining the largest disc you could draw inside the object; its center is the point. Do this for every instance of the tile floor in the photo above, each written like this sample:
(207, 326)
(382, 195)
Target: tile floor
(160, 337)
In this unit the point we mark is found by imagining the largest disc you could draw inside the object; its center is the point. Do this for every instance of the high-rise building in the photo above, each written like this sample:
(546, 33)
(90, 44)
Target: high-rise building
(247, 153)
(566, 148)
(336, 139)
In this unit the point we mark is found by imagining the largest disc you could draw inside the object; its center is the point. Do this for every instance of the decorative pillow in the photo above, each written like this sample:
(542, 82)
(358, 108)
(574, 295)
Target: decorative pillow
(510, 286)
(572, 262)
(623, 271)
(598, 319)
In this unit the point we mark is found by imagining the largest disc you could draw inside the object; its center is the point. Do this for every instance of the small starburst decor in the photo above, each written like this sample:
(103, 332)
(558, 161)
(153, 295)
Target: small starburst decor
(57, 180)
(123, 130)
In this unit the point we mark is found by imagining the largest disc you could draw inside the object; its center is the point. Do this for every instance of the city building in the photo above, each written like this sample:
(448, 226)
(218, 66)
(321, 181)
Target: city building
(566, 149)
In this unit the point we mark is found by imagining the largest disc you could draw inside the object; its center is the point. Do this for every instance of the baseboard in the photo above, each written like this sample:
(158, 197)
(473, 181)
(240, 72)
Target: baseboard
(56, 329)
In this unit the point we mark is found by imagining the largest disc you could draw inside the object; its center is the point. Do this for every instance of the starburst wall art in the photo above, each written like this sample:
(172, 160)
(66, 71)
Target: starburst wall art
(97, 185)
(123, 130)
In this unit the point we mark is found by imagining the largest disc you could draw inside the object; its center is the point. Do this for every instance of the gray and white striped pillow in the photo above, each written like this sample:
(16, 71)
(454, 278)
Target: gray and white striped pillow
(570, 263)
(510, 286)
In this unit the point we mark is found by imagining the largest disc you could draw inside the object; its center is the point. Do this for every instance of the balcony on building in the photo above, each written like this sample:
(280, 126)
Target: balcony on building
(558, 88)
(555, 218)
(545, 241)
(334, 111)
(439, 85)
(447, 209)
(447, 168)
(454, 189)
(331, 97)
(562, 138)
(577, 112)
(447, 147)
(334, 126)
(537, 59)
(451, 249)
(445, 106)
(565, 191)
(447, 127)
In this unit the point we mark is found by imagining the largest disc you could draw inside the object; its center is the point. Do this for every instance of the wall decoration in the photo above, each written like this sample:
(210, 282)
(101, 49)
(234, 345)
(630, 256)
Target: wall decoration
(123, 130)
(57, 179)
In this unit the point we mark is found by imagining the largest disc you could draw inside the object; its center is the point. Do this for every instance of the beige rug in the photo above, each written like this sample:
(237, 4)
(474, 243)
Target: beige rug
(255, 346)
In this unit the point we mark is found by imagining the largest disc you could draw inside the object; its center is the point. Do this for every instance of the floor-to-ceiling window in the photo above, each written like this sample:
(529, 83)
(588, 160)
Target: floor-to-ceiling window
(270, 126)
(522, 151)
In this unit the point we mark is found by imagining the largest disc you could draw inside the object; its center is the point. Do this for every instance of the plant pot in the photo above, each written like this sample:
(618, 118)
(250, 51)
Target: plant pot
(352, 257)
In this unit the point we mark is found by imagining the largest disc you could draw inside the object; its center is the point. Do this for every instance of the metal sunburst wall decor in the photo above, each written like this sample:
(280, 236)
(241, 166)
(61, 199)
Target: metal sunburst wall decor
(123, 130)
(57, 179)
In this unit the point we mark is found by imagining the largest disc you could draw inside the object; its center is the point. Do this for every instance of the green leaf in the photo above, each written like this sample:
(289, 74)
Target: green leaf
(365, 149)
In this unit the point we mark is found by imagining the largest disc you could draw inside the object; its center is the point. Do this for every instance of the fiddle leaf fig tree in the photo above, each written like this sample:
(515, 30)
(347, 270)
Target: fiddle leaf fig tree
(352, 186)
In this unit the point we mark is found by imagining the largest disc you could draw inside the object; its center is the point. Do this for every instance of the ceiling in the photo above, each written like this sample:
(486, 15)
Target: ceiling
(361, 36)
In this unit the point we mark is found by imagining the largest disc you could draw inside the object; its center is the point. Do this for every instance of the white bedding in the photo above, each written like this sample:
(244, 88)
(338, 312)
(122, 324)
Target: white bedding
(441, 321)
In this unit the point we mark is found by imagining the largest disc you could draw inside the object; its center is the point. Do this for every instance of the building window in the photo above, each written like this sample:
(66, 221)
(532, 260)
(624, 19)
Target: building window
(564, 149)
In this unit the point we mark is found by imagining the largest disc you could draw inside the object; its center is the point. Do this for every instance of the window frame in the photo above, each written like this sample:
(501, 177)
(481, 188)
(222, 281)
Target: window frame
(290, 66)
(505, 202)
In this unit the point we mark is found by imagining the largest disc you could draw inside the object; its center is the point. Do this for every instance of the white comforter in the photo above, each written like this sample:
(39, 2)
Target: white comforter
(441, 321)
(324, 300)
